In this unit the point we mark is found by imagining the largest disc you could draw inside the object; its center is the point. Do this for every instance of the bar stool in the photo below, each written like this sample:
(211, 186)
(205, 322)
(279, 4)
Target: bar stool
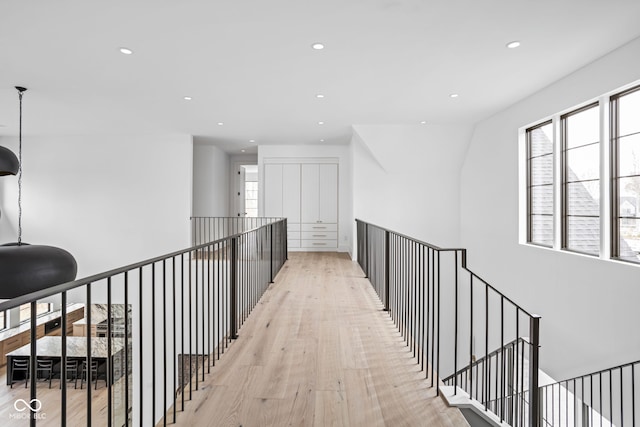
(19, 365)
(44, 366)
(94, 374)
(72, 372)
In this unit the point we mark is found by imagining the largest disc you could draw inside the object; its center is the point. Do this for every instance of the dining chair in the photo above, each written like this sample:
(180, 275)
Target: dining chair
(19, 365)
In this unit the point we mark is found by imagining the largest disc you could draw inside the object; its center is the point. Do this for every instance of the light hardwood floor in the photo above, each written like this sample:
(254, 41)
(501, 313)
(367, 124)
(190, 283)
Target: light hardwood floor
(51, 398)
(317, 351)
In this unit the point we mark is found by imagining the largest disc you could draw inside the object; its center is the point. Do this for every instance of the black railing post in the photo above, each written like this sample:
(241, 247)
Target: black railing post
(233, 313)
(271, 253)
(534, 364)
(387, 264)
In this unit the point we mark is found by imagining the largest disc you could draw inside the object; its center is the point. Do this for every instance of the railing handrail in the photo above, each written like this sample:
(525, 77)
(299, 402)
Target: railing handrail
(429, 245)
(485, 357)
(63, 287)
(601, 371)
(463, 264)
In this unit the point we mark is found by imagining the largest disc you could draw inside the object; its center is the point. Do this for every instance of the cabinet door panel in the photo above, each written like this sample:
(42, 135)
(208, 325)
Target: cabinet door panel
(272, 190)
(310, 190)
(328, 193)
(291, 192)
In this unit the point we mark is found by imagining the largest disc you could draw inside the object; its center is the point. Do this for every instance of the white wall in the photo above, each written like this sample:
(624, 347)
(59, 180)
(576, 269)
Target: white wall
(210, 180)
(589, 307)
(406, 178)
(109, 200)
(342, 152)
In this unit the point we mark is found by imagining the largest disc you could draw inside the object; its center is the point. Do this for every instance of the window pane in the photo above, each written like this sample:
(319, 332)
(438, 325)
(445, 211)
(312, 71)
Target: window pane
(542, 170)
(542, 230)
(630, 239)
(629, 190)
(583, 198)
(540, 192)
(583, 234)
(25, 310)
(629, 110)
(541, 140)
(629, 153)
(583, 128)
(583, 163)
(542, 200)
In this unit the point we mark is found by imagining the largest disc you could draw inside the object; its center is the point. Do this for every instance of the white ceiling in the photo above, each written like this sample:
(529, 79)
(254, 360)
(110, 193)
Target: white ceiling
(250, 65)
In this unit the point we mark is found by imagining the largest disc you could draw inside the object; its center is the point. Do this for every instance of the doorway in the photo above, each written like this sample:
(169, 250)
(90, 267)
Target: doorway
(246, 190)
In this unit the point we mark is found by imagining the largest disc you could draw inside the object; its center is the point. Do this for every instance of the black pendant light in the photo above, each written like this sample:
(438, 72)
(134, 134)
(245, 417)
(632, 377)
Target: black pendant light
(28, 268)
(8, 162)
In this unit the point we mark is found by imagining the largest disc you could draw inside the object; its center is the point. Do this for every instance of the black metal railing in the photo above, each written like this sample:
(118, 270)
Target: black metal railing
(209, 228)
(168, 319)
(603, 398)
(455, 322)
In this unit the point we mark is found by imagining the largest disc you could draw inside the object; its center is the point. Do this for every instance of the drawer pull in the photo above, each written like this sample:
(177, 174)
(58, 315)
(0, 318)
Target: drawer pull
(318, 228)
(319, 244)
(319, 235)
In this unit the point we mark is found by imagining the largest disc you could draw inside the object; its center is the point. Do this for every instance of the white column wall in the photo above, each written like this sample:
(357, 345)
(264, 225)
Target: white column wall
(589, 307)
(210, 180)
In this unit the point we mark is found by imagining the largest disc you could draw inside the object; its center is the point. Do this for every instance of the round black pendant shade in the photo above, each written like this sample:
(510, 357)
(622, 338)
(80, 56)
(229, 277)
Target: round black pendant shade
(9, 164)
(29, 268)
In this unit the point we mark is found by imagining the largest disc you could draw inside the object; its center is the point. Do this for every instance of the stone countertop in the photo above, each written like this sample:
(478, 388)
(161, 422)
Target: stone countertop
(51, 346)
(99, 313)
(8, 333)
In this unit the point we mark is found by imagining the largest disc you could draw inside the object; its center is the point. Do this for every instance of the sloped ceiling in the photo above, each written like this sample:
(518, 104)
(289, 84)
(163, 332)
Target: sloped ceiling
(249, 64)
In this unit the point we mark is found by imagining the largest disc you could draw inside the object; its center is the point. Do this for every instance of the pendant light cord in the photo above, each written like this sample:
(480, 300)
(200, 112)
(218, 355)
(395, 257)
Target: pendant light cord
(20, 91)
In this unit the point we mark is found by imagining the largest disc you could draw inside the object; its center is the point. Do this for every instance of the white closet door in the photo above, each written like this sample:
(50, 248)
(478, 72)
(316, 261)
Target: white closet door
(273, 190)
(310, 193)
(291, 193)
(328, 193)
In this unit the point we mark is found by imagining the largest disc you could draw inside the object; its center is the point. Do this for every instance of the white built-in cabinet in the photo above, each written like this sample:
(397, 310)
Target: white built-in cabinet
(306, 194)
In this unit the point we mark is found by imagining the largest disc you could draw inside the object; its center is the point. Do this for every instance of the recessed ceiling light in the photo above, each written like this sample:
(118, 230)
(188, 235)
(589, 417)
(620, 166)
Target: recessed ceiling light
(320, 123)
(322, 140)
(187, 98)
(220, 123)
(424, 122)
(453, 95)
(319, 96)
(317, 46)
(243, 150)
(252, 141)
(514, 44)
(126, 51)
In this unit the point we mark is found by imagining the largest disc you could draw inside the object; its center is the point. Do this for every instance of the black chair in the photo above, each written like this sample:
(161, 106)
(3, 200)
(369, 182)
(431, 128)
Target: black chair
(96, 373)
(71, 372)
(19, 366)
(44, 370)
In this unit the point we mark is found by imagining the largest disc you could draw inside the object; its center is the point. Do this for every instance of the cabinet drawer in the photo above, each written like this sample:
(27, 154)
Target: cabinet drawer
(293, 235)
(293, 243)
(320, 244)
(320, 227)
(319, 235)
(12, 343)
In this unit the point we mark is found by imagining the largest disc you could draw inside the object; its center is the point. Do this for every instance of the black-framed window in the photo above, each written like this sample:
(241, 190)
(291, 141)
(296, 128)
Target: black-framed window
(540, 173)
(580, 191)
(625, 175)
